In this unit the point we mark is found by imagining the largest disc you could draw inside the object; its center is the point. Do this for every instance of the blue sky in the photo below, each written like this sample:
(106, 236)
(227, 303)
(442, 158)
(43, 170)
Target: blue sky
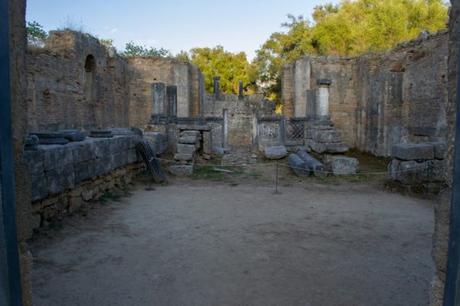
(238, 25)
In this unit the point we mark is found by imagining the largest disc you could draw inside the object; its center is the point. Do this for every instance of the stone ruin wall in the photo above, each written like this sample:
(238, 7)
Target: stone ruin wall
(143, 71)
(241, 117)
(378, 100)
(61, 94)
(442, 206)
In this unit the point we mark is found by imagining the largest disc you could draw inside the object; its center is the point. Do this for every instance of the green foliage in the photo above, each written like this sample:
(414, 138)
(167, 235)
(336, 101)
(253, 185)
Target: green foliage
(35, 31)
(108, 43)
(350, 28)
(183, 56)
(230, 67)
(132, 49)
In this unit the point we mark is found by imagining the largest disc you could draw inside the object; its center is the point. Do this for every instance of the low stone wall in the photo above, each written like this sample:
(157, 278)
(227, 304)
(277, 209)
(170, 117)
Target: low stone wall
(418, 164)
(56, 206)
(61, 174)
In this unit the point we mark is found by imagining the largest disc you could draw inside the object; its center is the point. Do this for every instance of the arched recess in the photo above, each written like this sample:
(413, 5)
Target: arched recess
(90, 72)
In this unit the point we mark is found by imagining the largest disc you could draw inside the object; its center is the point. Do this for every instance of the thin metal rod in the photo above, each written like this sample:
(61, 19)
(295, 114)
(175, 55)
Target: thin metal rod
(8, 201)
(451, 290)
(276, 179)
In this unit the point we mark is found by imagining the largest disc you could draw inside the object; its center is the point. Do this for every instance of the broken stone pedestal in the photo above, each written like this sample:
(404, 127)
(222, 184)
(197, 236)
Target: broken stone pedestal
(342, 165)
(322, 136)
(275, 152)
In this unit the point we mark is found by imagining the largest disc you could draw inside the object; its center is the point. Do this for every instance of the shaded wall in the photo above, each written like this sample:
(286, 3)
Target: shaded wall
(442, 205)
(74, 83)
(379, 100)
(143, 71)
(19, 131)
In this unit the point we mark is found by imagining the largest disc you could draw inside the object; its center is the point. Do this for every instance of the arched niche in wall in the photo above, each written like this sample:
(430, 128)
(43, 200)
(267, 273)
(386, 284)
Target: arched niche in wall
(89, 78)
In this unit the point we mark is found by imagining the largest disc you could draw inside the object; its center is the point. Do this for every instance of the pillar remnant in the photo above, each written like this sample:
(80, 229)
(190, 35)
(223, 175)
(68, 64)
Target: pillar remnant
(159, 103)
(171, 94)
(217, 87)
(225, 129)
(240, 90)
(322, 101)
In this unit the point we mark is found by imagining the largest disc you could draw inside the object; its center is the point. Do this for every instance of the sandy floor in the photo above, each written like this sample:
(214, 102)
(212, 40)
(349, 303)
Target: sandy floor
(202, 243)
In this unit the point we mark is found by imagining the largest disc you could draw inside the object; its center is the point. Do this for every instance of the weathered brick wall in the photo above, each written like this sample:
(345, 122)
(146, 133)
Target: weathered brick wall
(143, 71)
(58, 85)
(382, 99)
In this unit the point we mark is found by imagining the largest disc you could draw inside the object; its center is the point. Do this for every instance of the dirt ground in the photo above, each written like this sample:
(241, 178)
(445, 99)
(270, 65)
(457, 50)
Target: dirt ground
(202, 242)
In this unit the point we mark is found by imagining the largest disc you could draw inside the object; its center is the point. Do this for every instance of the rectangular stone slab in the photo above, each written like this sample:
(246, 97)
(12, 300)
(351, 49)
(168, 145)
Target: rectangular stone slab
(423, 151)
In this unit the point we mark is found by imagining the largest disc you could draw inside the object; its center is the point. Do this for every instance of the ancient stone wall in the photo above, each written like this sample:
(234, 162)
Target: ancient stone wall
(378, 100)
(74, 83)
(64, 177)
(144, 71)
(241, 116)
(442, 206)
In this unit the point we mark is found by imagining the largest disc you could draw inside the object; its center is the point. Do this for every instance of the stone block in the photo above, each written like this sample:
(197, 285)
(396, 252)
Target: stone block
(423, 151)
(440, 149)
(336, 148)
(83, 151)
(275, 152)
(207, 142)
(57, 156)
(35, 161)
(101, 147)
(39, 187)
(436, 171)
(189, 140)
(317, 147)
(342, 165)
(413, 172)
(183, 157)
(60, 179)
(132, 156)
(84, 171)
(326, 136)
(181, 170)
(186, 149)
(297, 165)
(158, 141)
(315, 166)
(119, 160)
(196, 134)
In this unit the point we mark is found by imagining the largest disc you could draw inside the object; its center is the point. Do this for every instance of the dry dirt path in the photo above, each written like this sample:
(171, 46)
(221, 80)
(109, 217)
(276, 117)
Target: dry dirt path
(202, 243)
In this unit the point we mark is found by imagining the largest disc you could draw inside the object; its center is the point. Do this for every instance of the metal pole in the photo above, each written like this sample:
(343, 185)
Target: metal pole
(452, 290)
(13, 285)
(276, 179)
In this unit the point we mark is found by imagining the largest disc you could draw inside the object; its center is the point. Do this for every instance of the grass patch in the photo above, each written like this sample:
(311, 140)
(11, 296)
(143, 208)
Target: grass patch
(210, 173)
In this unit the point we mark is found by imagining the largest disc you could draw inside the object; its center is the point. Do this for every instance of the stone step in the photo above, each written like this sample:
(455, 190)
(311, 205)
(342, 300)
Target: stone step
(189, 140)
(183, 157)
(186, 148)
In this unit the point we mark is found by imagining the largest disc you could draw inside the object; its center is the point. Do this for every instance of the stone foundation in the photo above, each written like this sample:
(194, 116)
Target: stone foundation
(46, 210)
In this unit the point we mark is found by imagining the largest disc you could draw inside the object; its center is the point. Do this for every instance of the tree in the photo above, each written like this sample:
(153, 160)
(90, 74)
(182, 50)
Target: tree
(350, 28)
(132, 49)
(230, 67)
(183, 56)
(35, 33)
